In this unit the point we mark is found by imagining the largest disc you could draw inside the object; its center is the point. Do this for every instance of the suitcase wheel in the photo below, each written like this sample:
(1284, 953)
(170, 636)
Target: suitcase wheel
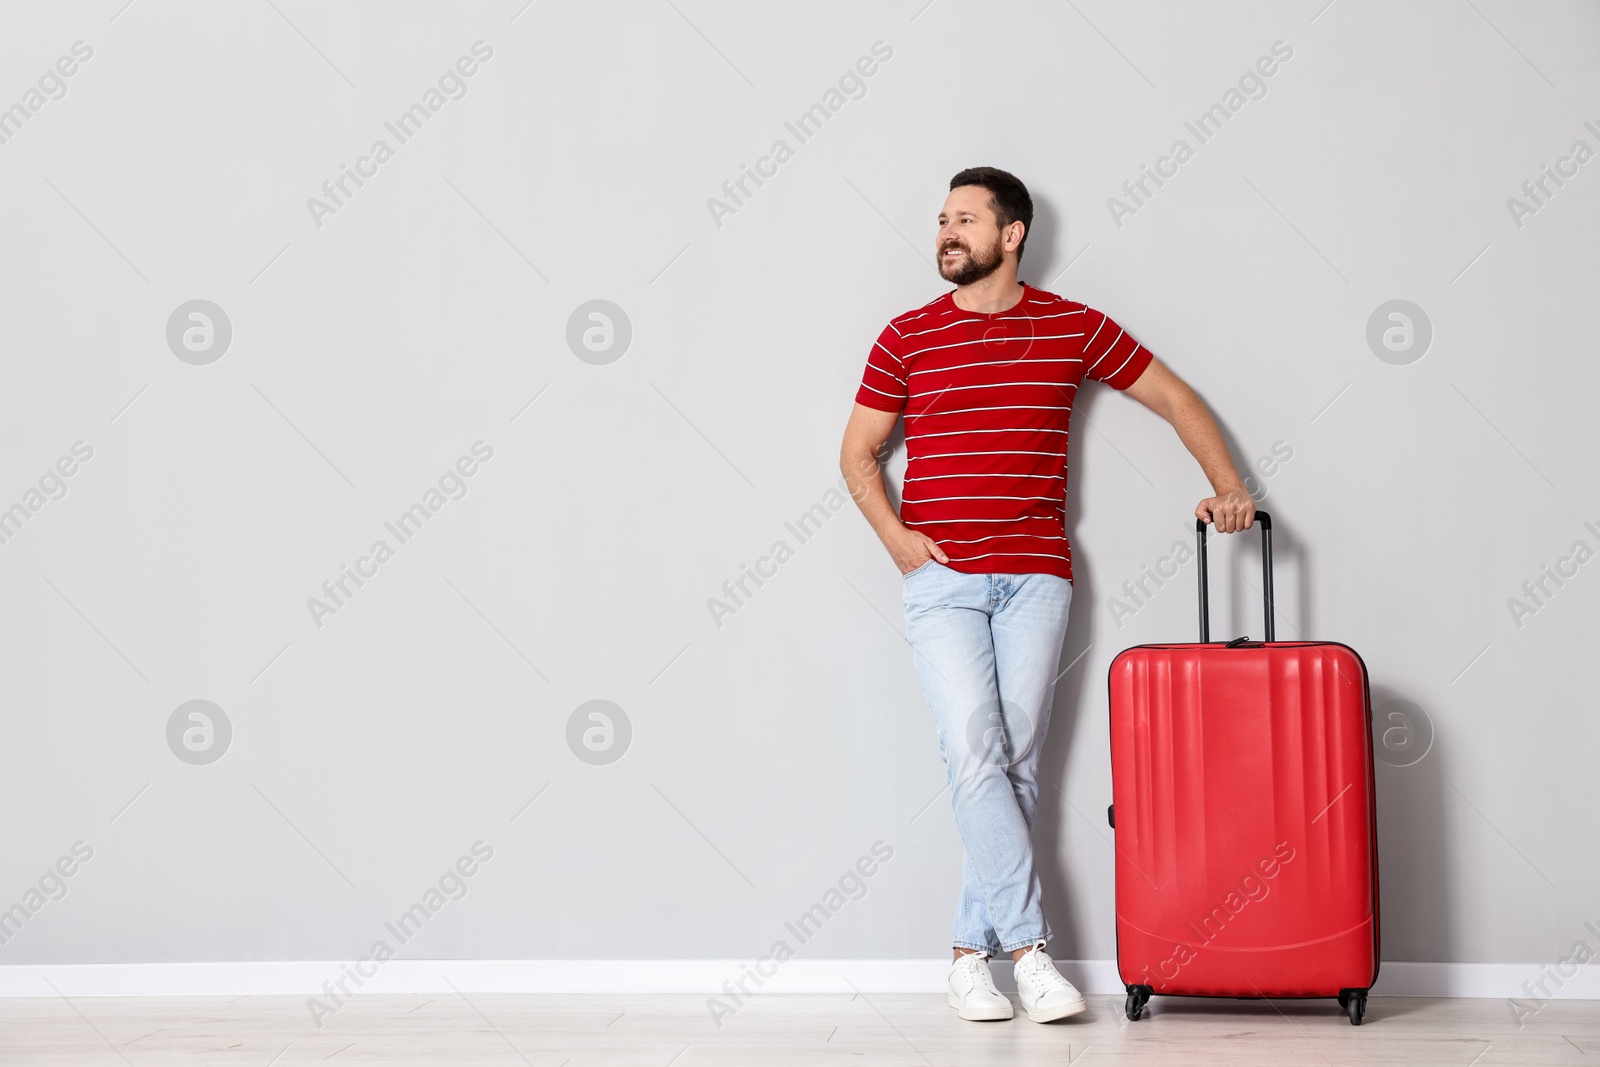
(1354, 1003)
(1138, 997)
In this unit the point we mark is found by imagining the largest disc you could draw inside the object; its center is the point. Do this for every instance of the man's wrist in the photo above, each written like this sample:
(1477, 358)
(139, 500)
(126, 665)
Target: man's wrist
(1235, 487)
(891, 533)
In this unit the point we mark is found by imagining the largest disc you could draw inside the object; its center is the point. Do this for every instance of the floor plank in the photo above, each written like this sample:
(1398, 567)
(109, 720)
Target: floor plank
(891, 1030)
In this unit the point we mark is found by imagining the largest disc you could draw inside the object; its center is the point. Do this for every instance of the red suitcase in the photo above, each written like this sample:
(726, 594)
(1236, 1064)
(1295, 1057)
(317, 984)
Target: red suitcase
(1245, 816)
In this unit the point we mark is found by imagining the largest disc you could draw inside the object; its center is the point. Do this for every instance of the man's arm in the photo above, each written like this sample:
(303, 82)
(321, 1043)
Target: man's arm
(1232, 508)
(864, 436)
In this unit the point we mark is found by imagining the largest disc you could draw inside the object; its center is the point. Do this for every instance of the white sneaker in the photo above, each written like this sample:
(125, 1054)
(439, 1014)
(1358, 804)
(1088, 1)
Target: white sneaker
(972, 991)
(1045, 995)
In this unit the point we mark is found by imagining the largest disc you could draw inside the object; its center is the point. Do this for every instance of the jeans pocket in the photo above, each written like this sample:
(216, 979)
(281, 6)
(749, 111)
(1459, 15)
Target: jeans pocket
(918, 569)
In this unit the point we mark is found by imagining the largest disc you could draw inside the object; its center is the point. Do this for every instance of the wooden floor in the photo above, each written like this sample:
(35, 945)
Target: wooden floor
(915, 1030)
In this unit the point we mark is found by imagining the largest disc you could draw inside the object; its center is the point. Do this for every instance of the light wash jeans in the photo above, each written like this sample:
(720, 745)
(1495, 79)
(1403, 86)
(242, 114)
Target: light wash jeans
(987, 647)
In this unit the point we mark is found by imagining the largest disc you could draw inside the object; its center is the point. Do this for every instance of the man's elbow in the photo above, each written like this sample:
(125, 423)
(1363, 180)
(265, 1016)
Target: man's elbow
(858, 457)
(851, 451)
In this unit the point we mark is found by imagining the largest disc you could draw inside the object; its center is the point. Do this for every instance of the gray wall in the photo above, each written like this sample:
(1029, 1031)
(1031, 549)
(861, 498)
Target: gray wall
(373, 346)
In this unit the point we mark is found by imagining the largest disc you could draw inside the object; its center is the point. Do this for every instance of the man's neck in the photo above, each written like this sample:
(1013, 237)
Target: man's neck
(998, 292)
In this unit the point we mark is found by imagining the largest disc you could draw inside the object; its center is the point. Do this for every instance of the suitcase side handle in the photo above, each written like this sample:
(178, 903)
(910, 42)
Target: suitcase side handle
(1265, 521)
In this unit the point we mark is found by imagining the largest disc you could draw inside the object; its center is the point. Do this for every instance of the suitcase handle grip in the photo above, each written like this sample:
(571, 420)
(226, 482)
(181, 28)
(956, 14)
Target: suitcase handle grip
(1265, 522)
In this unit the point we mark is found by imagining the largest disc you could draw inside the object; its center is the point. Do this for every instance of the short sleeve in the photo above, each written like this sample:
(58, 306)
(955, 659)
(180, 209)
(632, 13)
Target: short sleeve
(883, 383)
(1110, 354)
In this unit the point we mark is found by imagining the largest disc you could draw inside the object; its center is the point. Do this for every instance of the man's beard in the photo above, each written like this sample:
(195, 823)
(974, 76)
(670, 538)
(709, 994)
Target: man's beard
(975, 267)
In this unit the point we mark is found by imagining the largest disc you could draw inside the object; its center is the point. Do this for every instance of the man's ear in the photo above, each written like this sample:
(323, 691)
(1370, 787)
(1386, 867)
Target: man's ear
(1014, 235)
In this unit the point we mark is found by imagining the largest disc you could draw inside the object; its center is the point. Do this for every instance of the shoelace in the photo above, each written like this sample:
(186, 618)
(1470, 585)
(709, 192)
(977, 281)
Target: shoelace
(1041, 968)
(976, 964)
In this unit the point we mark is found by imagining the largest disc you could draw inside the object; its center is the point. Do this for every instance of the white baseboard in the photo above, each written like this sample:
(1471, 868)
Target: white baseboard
(700, 977)
(1487, 980)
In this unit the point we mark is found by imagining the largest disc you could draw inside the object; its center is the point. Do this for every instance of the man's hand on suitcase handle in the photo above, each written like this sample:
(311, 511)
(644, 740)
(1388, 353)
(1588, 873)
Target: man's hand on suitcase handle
(1229, 513)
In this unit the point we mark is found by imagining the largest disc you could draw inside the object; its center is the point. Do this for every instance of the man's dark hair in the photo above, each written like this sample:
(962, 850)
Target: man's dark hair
(1008, 197)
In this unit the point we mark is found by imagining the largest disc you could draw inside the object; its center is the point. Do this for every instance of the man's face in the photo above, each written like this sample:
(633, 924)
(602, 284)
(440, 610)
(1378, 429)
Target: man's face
(969, 244)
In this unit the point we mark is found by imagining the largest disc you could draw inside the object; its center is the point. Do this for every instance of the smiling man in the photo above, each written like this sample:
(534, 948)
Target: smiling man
(986, 376)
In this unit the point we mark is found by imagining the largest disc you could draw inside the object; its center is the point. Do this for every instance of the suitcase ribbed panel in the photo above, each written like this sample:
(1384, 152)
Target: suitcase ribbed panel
(1242, 780)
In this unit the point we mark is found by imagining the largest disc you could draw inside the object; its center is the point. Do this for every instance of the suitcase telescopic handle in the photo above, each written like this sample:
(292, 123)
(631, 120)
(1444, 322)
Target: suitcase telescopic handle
(1265, 522)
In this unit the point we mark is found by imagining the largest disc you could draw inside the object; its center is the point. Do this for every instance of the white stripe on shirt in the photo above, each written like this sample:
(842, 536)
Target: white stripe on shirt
(952, 522)
(995, 340)
(1125, 362)
(1000, 407)
(962, 433)
(1109, 349)
(1097, 330)
(996, 452)
(991, 474)
(995, 363)
(933, 499)
(987, 385)
(891, 355)
(996, 537)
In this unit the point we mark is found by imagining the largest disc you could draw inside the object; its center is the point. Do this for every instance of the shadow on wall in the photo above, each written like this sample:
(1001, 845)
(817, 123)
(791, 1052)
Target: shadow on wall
(1415, 902)
(1043, 251)
(1413, 857)
(1242, 582)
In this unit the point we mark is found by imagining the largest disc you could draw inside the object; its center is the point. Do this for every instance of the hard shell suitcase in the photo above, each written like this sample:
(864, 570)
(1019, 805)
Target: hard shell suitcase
(1244, 812)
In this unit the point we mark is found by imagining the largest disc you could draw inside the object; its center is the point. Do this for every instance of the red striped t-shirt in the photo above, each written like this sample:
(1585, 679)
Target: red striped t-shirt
(987, 399)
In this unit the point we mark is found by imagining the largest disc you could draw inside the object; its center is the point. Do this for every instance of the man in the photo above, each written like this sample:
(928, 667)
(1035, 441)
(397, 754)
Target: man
(986, 376)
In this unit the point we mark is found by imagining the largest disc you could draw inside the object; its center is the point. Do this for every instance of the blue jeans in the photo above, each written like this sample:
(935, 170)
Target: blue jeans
(986, 647)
